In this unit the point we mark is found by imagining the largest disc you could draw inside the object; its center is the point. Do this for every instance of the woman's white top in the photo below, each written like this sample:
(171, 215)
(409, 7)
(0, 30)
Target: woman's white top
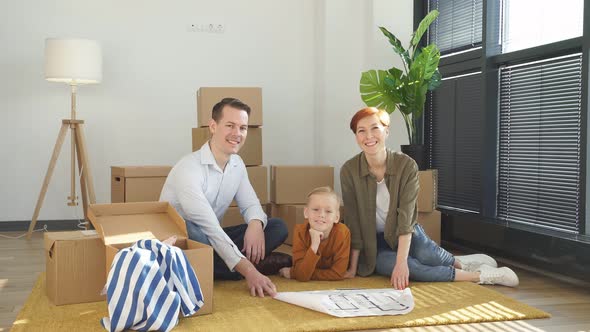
(382, 205)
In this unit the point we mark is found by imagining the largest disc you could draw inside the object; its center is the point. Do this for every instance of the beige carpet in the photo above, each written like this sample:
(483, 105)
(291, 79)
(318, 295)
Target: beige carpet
(235, 310)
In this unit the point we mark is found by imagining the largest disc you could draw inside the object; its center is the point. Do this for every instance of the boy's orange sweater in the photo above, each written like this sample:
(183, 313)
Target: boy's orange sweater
(331, 260)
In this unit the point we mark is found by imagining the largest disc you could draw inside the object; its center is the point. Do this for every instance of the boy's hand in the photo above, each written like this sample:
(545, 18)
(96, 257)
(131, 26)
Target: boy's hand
(316, 237)
(285, 272)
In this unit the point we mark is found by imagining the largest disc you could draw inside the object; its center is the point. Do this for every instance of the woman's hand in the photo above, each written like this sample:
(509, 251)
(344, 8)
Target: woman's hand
(353, 264)
(400, 276)
(349, 274)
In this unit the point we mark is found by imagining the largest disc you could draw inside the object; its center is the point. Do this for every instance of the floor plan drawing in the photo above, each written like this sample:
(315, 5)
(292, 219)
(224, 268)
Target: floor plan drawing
(353, 302)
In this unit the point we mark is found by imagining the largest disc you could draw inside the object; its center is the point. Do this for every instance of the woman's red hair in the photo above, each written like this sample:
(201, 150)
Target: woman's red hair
(369, 111)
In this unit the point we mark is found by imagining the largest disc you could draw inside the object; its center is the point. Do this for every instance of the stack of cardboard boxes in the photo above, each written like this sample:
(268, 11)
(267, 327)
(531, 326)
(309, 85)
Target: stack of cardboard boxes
(428, 216)
(289, 186)
(250, 152)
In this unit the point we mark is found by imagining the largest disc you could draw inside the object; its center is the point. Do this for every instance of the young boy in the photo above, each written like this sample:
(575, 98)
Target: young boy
(321, 246)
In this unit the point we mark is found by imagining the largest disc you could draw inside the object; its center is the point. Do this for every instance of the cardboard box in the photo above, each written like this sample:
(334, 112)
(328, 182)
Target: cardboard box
(430, 221)
(258, 176)
(120, 225)
(75, 267)
(291, 215)
(207, 97)
(250, 152)
(291, 184)
(137, 183)
(232, 217)
(427, 196)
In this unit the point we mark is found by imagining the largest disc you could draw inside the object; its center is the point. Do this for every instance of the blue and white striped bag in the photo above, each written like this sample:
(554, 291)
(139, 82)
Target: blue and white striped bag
(148, 284)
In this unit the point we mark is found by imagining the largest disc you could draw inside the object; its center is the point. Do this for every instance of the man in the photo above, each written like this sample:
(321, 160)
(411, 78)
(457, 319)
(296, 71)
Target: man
(201, 187)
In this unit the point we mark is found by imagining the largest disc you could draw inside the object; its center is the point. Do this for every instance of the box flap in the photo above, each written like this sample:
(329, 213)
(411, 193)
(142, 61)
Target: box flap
(140, 171)
(130, 222)
(51, 237)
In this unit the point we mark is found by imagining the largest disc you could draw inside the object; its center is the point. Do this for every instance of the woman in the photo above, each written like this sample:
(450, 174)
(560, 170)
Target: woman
(380, 189)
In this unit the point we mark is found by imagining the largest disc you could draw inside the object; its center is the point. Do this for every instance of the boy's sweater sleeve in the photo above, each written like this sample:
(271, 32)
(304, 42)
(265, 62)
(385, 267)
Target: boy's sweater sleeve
(341, 251)
(304, 259)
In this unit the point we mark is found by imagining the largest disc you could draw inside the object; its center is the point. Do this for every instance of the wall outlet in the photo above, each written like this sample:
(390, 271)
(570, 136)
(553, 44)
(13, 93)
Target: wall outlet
(206, 27)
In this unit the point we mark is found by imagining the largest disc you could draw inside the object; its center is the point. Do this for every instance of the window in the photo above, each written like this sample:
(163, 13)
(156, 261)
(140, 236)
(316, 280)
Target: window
(458, 26)
(515, 128)
(539, 143)
(533, 23)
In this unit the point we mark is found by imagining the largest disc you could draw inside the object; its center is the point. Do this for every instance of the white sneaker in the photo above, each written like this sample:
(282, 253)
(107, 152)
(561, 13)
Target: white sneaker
(471, 263)
(497, 276)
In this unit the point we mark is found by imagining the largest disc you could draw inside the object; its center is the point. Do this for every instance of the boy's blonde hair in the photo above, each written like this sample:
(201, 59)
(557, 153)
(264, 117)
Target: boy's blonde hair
(327, 190)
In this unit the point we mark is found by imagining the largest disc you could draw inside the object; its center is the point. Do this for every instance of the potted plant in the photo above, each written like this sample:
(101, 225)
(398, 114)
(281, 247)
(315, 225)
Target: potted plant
(405, 89)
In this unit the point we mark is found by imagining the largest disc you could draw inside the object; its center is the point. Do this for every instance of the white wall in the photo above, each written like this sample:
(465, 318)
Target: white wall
(307, 56)
(353, 44)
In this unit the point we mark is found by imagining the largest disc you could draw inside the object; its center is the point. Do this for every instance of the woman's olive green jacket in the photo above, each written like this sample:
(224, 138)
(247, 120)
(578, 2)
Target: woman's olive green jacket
(359, 191)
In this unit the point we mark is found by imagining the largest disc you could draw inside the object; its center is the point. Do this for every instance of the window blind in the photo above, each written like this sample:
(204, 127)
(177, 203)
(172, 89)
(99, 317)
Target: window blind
(458, 26)
(539, 143)
(454, 118)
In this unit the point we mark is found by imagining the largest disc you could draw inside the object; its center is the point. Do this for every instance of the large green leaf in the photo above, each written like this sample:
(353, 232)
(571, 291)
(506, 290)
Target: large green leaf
(397, 46)
(416, 54)
(423, 26)
(375, 93)
(395, 72)
(435, 81)
(418, 106)
(425, 64)
(395, 78)
(414, 93)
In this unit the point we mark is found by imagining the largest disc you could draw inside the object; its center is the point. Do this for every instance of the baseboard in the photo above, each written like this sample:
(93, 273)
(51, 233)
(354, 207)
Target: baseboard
(52, 225)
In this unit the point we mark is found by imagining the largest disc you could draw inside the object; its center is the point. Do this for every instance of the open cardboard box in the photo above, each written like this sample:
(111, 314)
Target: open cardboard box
(120, 225)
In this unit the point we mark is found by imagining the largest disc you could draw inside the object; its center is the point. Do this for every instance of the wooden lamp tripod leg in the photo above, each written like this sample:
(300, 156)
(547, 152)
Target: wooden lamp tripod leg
(83, 154)
(56, 150)
(82, 172)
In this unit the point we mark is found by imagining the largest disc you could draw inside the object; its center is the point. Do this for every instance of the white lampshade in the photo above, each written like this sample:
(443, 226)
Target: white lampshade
(73, 61)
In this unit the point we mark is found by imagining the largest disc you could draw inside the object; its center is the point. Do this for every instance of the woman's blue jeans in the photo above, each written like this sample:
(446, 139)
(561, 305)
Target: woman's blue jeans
(427, 261)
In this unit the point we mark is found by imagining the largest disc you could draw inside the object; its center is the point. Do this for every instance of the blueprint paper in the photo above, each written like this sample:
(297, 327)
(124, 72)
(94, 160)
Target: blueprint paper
(353, 302)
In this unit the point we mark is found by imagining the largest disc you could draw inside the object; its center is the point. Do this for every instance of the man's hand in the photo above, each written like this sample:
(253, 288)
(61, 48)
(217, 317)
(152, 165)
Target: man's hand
(400, 276)
(260, 284)
(285, 272)
(316, 237)
(254, 247)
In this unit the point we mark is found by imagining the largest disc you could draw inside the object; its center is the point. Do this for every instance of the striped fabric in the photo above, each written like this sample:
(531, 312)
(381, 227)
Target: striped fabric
(147, 286)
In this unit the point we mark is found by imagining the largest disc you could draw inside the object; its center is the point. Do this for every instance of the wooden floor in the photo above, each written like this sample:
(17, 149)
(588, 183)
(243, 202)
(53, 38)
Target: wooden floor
(21, 261)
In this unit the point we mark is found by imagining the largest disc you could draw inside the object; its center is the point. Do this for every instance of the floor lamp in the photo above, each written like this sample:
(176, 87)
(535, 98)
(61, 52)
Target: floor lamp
(74, 62)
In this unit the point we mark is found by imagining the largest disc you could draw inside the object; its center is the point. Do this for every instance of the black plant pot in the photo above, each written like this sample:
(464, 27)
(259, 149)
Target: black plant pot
(418, 153)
